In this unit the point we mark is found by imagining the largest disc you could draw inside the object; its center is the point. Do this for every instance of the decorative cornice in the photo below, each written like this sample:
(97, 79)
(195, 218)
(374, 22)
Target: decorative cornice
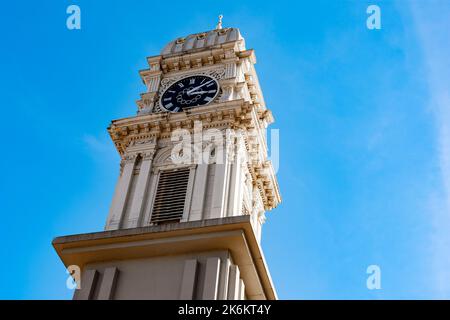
(138, 133)
(230, 114)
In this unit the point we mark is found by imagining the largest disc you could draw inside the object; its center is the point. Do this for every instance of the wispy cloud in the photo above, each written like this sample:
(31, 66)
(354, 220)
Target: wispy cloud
(432, 26)
(99, 146)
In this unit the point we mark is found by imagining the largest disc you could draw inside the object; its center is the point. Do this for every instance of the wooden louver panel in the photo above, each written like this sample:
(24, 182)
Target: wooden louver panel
(170, 196)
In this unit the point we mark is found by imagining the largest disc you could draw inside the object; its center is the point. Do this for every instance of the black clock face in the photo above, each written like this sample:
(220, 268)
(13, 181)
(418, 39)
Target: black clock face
(189, 92)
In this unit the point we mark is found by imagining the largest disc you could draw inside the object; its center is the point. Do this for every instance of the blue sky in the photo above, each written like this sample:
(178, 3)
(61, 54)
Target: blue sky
(364, 125)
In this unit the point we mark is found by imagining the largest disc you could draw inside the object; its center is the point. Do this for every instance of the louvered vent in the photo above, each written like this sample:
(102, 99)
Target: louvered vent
(170, 196)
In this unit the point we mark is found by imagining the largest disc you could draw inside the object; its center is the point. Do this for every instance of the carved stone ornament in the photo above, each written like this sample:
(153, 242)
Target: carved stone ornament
(129, 157)
(148, 155)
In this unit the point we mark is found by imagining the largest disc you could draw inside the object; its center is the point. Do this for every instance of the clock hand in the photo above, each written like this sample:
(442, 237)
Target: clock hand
(196, 92)
(193, 89)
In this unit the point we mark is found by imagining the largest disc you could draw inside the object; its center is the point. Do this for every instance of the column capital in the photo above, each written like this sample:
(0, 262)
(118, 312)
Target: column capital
(148, 154)
(128, 158)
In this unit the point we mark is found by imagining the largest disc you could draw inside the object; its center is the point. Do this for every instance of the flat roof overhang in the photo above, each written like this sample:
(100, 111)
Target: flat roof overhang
(235, 234)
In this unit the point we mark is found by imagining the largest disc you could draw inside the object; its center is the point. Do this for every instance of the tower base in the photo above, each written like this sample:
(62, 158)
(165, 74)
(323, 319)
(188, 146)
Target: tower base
(207, 259)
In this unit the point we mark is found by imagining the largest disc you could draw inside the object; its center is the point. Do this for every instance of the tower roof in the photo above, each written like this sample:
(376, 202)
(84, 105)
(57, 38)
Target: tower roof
(203, 40)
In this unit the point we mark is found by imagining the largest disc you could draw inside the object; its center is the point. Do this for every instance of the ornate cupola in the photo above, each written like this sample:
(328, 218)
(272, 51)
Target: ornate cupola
(194, 184)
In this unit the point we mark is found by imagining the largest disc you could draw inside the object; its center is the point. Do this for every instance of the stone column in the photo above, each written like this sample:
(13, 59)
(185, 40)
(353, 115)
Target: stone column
(235, 191)
(187, 291)
(234, 283)
(199, 192)
(189, 195)
(88, 284)
(211, 281)
(222, 168)
(141, 190)
(108, 284)
(153, 184)
(219, 190)
(224, 278)
(241, 295)
(121, 193)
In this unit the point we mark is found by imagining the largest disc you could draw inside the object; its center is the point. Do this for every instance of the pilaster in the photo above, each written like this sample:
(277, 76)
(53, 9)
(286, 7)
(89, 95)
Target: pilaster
(121, 193)
(141, 190)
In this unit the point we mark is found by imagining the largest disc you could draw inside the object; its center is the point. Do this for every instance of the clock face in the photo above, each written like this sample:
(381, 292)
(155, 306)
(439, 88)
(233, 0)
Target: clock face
(189, 92)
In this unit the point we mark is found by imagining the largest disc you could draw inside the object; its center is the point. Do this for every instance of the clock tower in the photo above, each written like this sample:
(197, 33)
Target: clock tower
(194, 183)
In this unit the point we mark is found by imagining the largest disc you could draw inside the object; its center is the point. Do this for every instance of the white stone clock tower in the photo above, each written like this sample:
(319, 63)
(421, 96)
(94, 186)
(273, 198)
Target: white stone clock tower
(194, 184)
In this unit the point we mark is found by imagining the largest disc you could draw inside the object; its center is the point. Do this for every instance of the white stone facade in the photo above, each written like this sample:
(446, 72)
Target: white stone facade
(187, 212)
(243, 182)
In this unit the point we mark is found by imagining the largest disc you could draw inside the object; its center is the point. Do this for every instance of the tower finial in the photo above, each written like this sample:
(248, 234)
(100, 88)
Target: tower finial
(219, 24)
